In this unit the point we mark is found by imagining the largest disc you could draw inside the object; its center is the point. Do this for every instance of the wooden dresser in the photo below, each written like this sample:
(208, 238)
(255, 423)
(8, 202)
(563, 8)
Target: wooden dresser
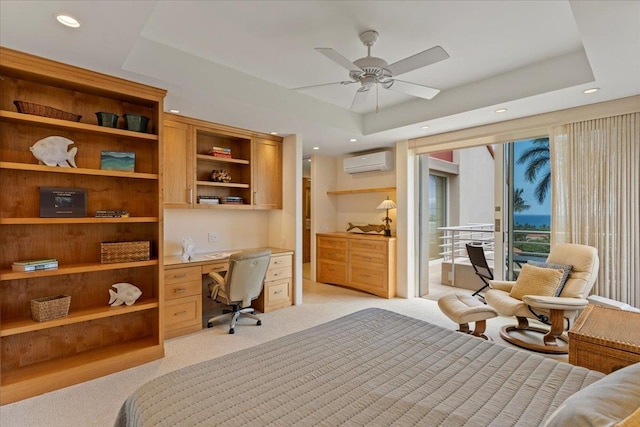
(365, 262)
(183, 289)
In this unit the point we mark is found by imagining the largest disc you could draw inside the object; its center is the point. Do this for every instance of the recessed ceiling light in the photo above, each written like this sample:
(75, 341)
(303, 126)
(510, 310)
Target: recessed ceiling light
(501, 110)
(352, 140)
(274, 133)
(424, 127)
(316, 148)
(174, 111)
(68, 21)
(591, 90)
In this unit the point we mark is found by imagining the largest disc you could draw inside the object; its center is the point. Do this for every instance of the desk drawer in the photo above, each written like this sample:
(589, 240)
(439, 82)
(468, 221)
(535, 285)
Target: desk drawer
(277, 274)
(179, 290)
(278, 261)
(182, 312)
(277, 294)
(218, 267)
(180, 275)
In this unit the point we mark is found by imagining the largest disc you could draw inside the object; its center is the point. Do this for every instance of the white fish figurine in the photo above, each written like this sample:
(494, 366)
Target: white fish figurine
(52, 151)
(126, 294)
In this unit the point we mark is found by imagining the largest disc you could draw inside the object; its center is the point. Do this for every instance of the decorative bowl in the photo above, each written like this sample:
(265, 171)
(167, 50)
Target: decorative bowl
(136, 122)
(107, 119)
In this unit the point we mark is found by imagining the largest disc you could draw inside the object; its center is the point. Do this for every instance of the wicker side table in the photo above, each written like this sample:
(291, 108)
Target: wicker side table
(605, 339)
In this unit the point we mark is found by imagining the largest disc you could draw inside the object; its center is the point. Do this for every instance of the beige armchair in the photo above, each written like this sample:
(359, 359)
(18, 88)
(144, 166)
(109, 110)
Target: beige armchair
(557, 311)
(241, 285)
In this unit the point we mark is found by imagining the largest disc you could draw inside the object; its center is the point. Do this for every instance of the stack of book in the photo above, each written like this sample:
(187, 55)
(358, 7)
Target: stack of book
(35, 264)
(211, 200)
(111, 214)
(220, 152)
(232, 200)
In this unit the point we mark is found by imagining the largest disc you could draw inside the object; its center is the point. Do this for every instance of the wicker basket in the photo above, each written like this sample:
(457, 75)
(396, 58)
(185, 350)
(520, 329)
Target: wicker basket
(43, 110)
(49, 308)
(124, 251)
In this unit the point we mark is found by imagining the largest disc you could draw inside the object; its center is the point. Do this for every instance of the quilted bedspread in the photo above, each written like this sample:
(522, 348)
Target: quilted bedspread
(370, 368)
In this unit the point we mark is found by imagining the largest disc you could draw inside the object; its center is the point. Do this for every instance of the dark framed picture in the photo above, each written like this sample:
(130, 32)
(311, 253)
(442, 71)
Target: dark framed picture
(118, 161)
(58, 202)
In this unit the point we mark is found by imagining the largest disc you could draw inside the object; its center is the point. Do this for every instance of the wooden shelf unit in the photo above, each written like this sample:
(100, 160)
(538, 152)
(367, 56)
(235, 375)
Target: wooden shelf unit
(363, 190)
(255, 167)
(94, 339)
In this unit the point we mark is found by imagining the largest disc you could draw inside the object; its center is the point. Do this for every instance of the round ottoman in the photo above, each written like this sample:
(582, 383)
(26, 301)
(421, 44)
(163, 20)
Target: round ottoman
(463, 309)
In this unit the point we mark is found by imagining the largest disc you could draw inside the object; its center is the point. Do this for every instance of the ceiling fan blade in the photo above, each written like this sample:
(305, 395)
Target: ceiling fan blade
(360, 98)
(419, 60)
(412, 89)
(338, 58)
(345, 82)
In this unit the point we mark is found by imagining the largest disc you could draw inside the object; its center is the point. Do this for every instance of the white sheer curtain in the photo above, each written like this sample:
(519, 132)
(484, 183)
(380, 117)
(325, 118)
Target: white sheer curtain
(595, 167)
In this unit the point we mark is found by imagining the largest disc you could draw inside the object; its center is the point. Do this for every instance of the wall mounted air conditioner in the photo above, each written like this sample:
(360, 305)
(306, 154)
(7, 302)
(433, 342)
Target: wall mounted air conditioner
(380, 161)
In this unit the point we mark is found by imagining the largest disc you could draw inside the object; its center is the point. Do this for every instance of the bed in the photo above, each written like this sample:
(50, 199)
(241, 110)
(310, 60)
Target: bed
(370, 368)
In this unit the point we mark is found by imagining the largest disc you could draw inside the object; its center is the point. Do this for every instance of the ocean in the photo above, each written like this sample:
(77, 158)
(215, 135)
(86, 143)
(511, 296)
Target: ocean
(534, 220)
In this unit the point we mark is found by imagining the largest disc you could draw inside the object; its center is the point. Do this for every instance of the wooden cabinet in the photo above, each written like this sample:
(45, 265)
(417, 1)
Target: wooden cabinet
(278, 284)
(359, 261)
(183, 301)
(94, 339)
(254, 166)
(267, 183)
(178, 165)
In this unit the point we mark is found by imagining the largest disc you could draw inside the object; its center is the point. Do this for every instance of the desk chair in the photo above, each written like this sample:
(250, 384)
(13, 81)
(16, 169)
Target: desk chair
(480, 266)
(241, 285)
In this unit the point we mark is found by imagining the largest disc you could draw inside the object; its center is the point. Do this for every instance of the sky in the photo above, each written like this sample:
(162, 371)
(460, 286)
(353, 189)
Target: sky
(528, 187)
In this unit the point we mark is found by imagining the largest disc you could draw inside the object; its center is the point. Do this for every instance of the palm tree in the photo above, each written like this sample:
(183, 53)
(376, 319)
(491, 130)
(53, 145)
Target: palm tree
(519, 204)
(537, 159)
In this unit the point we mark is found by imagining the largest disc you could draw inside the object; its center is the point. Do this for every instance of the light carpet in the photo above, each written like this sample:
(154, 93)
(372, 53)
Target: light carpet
(96, 402)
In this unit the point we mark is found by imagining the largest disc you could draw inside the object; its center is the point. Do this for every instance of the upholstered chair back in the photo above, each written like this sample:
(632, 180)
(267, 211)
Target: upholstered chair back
(584, 267)
(246, 275)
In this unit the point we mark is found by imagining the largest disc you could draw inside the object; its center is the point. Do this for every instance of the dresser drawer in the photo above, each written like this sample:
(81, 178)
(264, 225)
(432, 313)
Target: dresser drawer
(278, 261)
(378, 260)
(367, 277)
(331, 243)
(330, 272)
(179, 290)
(182, 312)
(180, 275)
(368, 246)
(332, 254)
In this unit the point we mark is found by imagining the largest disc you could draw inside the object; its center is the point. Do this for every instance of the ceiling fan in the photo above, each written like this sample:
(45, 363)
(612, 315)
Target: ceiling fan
(370, 71)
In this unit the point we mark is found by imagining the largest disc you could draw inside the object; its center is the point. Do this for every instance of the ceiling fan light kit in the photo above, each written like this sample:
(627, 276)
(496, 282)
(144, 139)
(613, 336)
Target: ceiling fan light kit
(370, 70)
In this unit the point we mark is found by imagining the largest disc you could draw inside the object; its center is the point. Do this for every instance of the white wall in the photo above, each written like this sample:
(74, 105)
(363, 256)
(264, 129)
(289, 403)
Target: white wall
(475, 187)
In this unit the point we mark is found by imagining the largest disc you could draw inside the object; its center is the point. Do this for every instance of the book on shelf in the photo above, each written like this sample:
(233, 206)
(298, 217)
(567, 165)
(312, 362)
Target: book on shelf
(111, 214)
(35, 267)
(35, 261)
(212, 200)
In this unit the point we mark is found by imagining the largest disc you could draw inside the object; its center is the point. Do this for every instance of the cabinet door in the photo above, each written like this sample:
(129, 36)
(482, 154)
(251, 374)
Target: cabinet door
(178, 165)
(267, 174)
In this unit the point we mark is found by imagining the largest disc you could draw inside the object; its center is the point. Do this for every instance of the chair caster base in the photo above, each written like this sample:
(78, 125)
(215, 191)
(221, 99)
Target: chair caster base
(232, 331)
(259, 322)
(209, 325)
(540, 348)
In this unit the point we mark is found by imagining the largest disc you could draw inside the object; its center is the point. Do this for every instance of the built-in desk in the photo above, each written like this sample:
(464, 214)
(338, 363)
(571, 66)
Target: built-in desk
(184, 282)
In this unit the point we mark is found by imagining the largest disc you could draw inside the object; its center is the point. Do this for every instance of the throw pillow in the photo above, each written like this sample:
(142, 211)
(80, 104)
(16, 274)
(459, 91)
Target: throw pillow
(565, 268)
(534, 280)
(610, 400)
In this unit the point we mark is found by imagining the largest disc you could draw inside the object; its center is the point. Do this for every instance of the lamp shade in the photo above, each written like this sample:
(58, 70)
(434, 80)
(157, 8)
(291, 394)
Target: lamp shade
(387, 204)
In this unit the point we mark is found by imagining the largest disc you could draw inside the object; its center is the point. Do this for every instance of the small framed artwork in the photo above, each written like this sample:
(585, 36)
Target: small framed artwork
(63, 202)
(118, 161)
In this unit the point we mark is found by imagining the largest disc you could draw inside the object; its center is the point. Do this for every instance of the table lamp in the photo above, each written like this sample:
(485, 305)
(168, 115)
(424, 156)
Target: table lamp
(386, 205)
